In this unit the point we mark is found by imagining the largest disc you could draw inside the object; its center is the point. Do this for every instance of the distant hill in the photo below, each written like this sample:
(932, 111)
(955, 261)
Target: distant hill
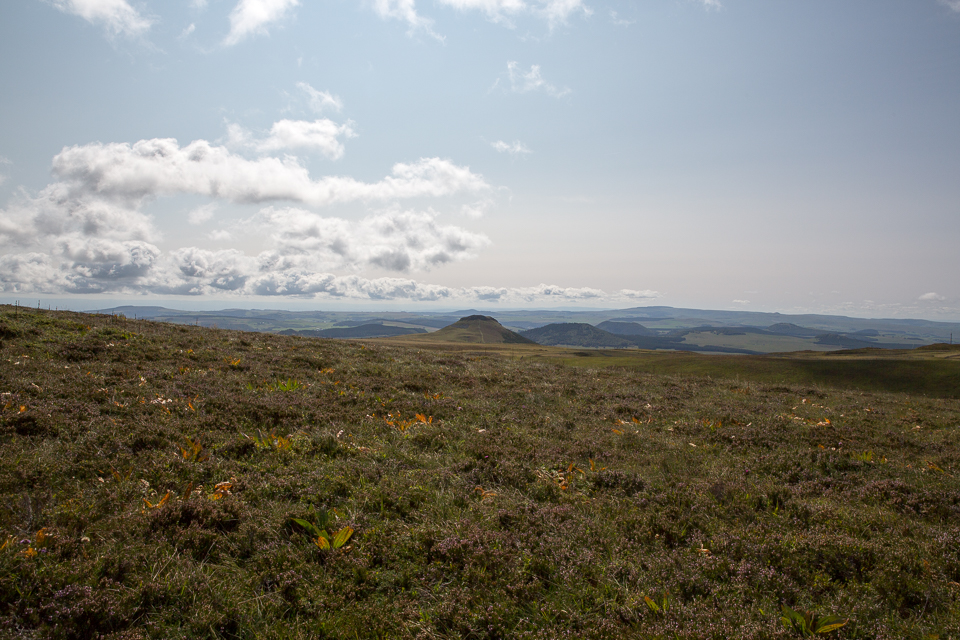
(575, 334)
(626, 328)
(363, 331)
(790, 329)
(477, 329)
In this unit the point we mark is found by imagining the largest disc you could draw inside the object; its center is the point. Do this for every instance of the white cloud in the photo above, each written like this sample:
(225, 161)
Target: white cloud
(711, 4)
(557, 11)
(741, 302)
(532, 80)
(149, 168)
(516, 148)
(87, 232)
(953, 4)
(932, 297)
(60, 243)
(395, 241)
(3, 161)
(553, 11)
(202, 214)
(320, 100)
(117, 16)
(495, 10)
(320, 135)
(251, 17)
(220, 235)
(406, 11)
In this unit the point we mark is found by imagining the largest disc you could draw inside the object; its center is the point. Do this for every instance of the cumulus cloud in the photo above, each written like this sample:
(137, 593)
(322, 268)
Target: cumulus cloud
(515, 149)
(117, 16)
(59, 243)
(320, 100)
(320, 135)
(4, 161)
(932, 297)
(87, 231)
(55, 243)
(395, 241)
(250, 17)
(132, 172)
(526, 81)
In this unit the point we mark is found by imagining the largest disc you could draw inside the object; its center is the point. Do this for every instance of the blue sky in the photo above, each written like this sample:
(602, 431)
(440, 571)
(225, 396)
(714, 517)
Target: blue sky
(738, 154)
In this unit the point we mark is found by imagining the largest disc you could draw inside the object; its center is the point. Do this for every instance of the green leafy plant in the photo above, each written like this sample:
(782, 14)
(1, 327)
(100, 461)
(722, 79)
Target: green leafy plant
(272, 441)
(662, 607)
(317, 530)
(809, 624)
(193, 452)
(285, 385)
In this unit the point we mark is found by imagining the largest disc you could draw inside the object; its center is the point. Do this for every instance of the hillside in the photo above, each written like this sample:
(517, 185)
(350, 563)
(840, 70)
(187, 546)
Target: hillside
(354, 332)
(626, 328)
(163, 481)
(475, 329)
(575, 334)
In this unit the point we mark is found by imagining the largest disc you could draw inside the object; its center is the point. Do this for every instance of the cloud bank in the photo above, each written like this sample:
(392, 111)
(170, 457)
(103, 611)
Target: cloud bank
(129, 173)
(87, 232)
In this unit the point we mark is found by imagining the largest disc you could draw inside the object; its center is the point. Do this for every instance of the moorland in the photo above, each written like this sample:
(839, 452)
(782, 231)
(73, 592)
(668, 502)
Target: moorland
(171, 481)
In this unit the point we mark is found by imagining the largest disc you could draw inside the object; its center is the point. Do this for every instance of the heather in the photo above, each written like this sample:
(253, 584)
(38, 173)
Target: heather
(161, 481)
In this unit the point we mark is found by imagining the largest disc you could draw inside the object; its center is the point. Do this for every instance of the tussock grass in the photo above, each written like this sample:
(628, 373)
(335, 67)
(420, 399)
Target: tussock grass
(160, 476)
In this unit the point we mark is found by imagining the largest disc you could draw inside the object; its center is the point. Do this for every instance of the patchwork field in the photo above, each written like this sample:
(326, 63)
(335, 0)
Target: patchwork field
(162, 481)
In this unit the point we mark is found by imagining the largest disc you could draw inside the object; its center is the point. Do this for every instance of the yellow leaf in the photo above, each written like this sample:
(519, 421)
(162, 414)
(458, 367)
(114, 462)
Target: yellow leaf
(342, 536)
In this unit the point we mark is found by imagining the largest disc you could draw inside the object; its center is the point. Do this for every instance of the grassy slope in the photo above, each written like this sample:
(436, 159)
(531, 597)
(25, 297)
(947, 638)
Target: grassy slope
(917, 372)
(723, 499)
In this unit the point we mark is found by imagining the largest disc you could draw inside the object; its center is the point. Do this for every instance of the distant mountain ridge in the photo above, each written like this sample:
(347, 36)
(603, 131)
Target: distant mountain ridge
(644, 327)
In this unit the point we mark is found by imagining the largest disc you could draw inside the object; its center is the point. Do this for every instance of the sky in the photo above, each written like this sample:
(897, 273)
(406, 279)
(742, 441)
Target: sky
(768, 155)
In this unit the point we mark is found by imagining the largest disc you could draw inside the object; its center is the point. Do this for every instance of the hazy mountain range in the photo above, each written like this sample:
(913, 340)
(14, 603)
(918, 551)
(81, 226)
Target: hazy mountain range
(641, 327)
